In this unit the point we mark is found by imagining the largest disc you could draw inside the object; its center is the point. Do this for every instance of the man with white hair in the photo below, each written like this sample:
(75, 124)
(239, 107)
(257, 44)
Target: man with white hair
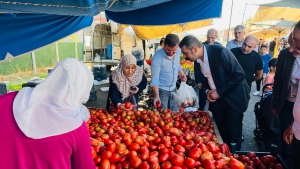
(249, 59)
(212, 35)
(239, 32)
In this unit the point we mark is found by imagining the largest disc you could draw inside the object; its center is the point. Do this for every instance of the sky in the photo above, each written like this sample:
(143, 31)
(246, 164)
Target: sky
(237, 15)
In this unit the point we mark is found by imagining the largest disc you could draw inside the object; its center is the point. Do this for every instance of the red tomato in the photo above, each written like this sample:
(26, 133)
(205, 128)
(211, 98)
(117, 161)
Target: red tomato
(218, 156)
(166, 165)
(195, 153)
(144, 165)
(209, 164)
(113, 166)
(111, 147)
(179, 148)
(203, 147)
(163, 157)
(127, 105)
(131, 154)
(114, 158)
(120, 148)
(178, 160)
(145, 155)
(97, 160)
(154, 153)
(153, 159)
(158, 105)
(235, 164)
(135, 161)
(189, 162)
(212, 147)
(206, 155)
(106, 155)
(105, 164)
(134, 147)
(155, 166)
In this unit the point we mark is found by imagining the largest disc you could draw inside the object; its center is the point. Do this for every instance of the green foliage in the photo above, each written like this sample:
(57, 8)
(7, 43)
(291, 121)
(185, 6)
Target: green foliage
(44, 57)
(14, 87)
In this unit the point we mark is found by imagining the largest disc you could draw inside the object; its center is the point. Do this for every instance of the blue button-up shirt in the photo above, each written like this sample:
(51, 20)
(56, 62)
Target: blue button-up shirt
(164, 70)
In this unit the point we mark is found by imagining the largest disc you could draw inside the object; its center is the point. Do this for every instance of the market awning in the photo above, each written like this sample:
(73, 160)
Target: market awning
(149, 32)
(267, 13)
(279, 3)
(267, 34)
(28, 25)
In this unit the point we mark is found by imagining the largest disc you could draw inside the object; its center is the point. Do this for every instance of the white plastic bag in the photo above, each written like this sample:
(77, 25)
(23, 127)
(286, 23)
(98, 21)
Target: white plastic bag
(187, 96)
(174, 102)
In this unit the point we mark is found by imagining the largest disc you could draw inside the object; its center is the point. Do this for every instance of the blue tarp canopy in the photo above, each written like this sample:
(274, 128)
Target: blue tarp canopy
(29, 24)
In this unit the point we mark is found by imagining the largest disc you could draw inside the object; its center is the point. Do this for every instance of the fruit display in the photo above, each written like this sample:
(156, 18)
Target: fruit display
(186, 64)
(157, 139)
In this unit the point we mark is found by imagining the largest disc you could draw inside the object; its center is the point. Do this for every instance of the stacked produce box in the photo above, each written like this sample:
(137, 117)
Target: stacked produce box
(161, 139)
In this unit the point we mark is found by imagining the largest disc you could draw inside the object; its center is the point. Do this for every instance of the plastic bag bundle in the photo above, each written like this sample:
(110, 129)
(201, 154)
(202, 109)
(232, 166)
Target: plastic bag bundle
(174, 100)
(187, 96)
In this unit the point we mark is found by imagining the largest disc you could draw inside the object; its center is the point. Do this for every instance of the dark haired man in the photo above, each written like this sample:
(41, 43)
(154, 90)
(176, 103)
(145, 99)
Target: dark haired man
(165, 68)
(161, 44)
(224, 81)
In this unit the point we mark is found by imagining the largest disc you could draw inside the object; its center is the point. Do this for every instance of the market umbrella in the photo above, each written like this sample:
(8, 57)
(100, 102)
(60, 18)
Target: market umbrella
(265, 33)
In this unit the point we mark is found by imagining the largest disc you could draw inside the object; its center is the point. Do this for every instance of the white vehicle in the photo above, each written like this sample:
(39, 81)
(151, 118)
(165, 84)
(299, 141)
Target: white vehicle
(103, 43)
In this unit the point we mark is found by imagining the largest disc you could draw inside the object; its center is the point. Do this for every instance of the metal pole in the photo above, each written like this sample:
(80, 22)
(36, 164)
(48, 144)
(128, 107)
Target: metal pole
(33, 62)
(230, 20)
(244, 13)
(56, 52)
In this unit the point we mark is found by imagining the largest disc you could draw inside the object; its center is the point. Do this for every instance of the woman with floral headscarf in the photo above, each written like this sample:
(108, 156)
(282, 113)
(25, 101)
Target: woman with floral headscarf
(122, 81)
(44, 127)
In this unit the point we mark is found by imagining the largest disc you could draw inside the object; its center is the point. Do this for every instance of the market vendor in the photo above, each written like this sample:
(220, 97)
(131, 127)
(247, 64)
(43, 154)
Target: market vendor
(45, 126)
(127, 79)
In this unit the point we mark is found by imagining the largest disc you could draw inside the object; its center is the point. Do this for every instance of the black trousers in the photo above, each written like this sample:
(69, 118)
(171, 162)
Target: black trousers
(202, 98)
(286, 118)
(229, 122)
(258, 84)
(296, 153)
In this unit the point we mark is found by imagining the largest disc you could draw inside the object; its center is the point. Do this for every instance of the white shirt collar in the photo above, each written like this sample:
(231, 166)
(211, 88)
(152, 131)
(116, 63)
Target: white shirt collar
(205, 55)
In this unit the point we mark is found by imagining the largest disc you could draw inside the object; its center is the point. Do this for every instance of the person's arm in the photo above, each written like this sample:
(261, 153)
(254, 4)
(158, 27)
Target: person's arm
(142, 84)
(114, 93)
(81, 157)
(258, 75)
(182, 75)
(234, 70)
(155, 71)
(288, 134)
(258, 68)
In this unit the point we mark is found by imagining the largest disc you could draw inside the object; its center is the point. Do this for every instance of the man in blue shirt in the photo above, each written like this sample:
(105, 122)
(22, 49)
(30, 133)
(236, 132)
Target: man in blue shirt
(165, 68)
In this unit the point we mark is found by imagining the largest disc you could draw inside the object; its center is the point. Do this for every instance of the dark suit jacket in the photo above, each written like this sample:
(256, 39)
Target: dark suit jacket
(228, 77)
(281, 86)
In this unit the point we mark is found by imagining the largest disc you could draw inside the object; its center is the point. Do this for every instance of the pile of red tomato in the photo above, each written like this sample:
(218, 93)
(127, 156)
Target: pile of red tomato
(156, 139)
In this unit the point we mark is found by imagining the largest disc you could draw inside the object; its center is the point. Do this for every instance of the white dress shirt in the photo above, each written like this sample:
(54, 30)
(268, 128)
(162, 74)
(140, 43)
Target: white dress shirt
(205, 69)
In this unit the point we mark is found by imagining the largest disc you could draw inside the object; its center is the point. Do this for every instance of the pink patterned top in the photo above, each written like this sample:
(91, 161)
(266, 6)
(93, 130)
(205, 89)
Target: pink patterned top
(71, 150)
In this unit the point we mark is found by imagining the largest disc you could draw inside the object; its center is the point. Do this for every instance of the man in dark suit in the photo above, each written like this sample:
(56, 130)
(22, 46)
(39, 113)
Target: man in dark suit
(224, 82)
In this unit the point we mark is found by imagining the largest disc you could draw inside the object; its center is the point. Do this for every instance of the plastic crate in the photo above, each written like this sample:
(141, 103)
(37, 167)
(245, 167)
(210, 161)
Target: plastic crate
(273, 152)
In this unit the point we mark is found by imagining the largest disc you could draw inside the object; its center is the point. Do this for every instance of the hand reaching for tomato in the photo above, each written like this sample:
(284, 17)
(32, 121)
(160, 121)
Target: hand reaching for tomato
(127, 106)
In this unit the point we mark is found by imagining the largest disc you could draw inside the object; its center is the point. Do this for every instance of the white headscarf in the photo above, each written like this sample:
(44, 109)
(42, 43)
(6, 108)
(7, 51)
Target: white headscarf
(55, 106)
(122, 81)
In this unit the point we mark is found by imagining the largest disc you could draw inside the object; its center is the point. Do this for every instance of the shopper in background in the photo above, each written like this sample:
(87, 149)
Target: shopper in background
(223, 79)
(127, 79)
(285, 90)
(265, 57)
(161, 44)
(211, 37)
(45, 126)
(269, 79)
(272, 47)
(165, 69)
(249, 59)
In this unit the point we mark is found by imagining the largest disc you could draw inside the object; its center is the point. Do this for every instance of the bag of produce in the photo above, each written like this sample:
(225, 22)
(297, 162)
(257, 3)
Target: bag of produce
(187, 96)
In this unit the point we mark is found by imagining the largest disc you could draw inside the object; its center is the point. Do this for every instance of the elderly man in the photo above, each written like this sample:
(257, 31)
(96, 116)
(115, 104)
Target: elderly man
(165, 69)
(239, 32)
(285, 96)
(212, 35)
(249, 59)
(224, 80)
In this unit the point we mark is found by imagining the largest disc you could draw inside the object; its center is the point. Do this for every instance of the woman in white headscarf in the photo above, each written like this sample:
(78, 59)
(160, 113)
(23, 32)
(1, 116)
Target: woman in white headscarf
(44, 127)
(123, 80)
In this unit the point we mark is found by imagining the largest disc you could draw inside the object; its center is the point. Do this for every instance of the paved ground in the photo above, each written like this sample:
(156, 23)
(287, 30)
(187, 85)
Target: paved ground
(249, 143)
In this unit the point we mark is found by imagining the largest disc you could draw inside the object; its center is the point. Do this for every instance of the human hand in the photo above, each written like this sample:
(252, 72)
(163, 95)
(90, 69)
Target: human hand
(274, 112)
(156, 100)
(288, 135)
(134, 91)
(183, 78)
(199, 85)
(122, 107)
(212, 95)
